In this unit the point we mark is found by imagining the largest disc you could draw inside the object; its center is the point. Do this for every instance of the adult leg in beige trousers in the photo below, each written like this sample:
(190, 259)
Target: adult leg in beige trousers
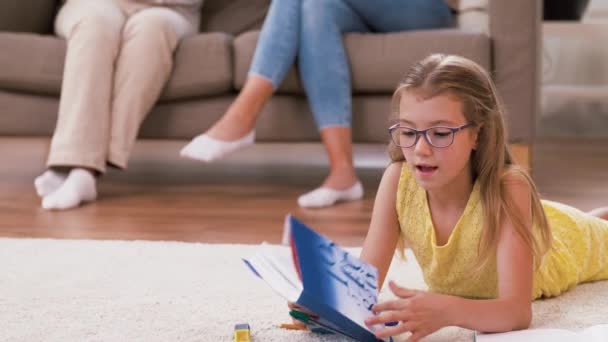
(149, 39)
(118, 59)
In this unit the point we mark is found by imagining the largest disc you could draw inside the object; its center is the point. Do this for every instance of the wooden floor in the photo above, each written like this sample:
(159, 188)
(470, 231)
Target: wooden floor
(245, 198)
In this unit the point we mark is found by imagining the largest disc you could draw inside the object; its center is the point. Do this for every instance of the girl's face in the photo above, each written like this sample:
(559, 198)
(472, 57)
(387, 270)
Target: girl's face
(437, 167)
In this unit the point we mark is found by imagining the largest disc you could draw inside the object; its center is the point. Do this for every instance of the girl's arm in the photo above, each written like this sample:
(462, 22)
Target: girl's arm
(383, 234)
(423, 312)
(512, 309)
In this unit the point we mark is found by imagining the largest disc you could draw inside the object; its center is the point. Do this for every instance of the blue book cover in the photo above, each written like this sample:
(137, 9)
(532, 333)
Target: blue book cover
(325, 279)
(338, 287)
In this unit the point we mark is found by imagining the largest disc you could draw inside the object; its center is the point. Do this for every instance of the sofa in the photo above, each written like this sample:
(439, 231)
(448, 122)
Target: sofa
(211, 67)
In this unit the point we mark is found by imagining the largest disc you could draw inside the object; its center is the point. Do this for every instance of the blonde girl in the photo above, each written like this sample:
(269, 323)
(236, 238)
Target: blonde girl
(486, 244)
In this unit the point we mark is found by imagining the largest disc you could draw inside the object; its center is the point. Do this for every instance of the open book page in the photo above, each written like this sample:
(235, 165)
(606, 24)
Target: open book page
(596, 333)
(338, 287)
(274, 265)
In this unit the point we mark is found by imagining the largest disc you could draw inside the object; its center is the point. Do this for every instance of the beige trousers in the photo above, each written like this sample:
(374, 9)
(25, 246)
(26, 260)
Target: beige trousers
(119, 57)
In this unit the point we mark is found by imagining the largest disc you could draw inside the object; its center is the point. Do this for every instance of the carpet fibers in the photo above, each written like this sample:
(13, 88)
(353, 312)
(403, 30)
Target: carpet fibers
(72, 290)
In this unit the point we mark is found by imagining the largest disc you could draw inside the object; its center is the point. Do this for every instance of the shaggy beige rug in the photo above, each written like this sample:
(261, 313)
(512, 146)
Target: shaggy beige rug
(65, 290)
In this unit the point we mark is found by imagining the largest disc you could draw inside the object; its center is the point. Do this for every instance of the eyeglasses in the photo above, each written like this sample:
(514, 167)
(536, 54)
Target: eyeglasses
(438, 136)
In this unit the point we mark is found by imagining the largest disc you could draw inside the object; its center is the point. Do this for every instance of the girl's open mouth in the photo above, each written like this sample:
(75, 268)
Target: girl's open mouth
(425, 169)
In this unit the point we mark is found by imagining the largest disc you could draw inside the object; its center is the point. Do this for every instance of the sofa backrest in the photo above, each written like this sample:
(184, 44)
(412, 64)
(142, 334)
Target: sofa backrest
(230, 16)
(233, 16)
(238, 16)
(32, 15)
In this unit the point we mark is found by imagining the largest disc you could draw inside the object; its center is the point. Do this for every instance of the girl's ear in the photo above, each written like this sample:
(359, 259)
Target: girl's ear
(476, 130)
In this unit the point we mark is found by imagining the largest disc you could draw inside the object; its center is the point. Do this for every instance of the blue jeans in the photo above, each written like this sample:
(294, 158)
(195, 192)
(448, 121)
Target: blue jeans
(311, 30)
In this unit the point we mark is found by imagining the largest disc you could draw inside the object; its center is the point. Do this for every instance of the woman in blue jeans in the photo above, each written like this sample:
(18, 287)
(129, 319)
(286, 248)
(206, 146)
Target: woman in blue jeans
(311, 30)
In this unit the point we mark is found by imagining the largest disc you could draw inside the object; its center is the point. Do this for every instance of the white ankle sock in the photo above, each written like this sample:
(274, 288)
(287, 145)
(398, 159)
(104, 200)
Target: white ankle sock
(324, 197)
(208, 149)
(49, 181)
(79, 187)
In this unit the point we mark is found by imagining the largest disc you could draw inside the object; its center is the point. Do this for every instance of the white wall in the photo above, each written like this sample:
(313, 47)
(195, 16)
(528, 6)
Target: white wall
(597, 10)
(574, 93)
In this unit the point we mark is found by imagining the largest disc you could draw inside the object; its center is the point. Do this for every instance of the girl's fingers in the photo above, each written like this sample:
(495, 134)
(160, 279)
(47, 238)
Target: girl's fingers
(396, 330)
(401, 291)
(386, 317)
(397, 304)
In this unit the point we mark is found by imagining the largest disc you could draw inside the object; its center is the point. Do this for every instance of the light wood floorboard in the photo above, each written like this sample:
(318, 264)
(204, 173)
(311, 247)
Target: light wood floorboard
(245, 198)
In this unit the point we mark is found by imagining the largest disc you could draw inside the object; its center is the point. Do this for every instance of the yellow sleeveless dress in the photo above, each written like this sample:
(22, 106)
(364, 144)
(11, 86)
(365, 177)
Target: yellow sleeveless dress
(579, 253)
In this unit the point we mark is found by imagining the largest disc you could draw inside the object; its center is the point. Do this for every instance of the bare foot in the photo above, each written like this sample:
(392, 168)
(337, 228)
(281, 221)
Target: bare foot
(601, 212)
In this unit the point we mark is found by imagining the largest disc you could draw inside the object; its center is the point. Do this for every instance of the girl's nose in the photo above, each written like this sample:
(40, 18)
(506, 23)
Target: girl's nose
(422, 146)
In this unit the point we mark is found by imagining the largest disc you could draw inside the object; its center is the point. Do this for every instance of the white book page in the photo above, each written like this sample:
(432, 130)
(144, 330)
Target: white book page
(274, 265)
(596, 333)
(282, 260)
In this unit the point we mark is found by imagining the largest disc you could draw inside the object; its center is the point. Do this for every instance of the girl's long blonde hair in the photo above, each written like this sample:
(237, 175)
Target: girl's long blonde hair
(491, 162)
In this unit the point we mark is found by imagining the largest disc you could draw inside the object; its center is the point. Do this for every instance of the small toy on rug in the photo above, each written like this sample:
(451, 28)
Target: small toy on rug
(242, 333)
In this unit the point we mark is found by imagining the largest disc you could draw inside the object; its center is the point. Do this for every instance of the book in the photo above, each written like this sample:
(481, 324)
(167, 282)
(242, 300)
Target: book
(336, 289)
(595, 333)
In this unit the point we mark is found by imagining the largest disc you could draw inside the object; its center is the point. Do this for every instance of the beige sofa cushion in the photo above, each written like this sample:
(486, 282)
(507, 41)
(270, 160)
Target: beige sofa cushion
(35, 63)
(203, 65)
(283, 119)
(378, 61)
(33, 15)
(233, 16)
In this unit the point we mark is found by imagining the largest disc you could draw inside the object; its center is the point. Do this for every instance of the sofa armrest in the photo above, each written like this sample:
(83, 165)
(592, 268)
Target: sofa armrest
(515, 30)
(34, 16)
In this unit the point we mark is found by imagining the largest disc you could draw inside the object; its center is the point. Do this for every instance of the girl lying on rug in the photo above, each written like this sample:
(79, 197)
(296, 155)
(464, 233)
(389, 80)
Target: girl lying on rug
(484, 240)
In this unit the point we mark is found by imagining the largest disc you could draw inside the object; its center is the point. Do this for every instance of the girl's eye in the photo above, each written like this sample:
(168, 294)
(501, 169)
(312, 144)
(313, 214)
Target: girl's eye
(407, 134)
(441, 133)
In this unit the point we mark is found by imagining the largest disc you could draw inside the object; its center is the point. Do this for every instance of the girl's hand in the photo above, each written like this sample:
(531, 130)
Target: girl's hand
(418, 312)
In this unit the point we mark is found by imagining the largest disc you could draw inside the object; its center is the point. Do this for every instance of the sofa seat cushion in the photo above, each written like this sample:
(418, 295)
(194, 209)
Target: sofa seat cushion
(203, 65)
(378, 61)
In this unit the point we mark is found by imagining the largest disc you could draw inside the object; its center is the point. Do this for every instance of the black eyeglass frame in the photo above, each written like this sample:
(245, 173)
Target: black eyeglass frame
(424, 132)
